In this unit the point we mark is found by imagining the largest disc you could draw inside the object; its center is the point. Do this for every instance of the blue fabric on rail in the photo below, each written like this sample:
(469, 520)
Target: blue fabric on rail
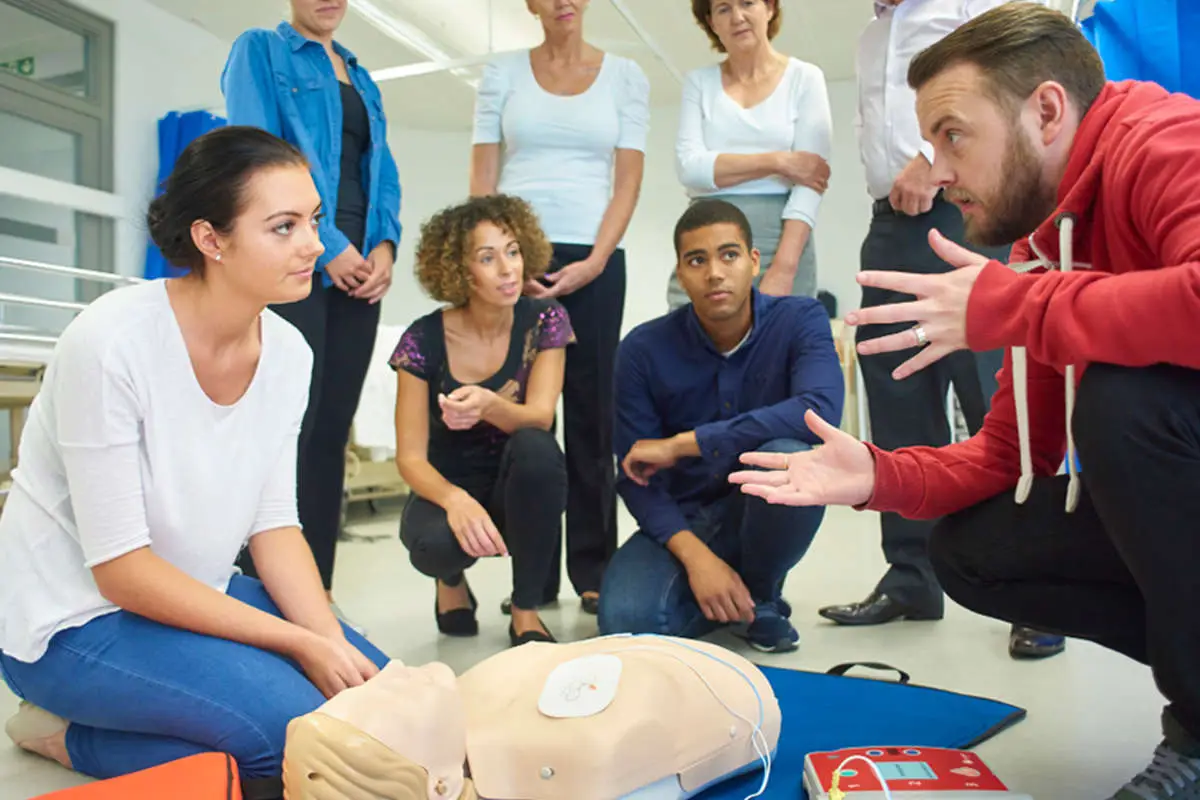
(1149, 40)
(175, 132)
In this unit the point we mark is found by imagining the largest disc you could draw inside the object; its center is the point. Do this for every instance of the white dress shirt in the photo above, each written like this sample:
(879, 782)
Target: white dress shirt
(889, 134)
(795, 117)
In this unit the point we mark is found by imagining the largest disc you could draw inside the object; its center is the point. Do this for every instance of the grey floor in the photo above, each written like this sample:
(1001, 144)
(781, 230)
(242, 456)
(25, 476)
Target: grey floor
(1093, 715)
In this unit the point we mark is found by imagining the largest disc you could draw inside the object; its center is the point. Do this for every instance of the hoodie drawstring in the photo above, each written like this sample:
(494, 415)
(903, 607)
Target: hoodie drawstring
(1020, 381)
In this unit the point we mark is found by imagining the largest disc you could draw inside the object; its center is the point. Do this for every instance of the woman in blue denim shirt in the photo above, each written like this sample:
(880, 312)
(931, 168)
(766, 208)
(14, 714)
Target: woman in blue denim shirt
(298, 83)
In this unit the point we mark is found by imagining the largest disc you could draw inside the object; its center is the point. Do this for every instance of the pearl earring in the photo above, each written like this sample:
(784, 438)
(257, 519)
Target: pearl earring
(218, 256)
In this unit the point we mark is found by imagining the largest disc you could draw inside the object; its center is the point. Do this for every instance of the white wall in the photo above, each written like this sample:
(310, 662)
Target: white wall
(434, 168)
(162, 64)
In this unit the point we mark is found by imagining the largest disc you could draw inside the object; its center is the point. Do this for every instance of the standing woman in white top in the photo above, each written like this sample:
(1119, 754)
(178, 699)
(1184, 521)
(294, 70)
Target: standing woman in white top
(563, 126)
(163, 439)
(756, 130)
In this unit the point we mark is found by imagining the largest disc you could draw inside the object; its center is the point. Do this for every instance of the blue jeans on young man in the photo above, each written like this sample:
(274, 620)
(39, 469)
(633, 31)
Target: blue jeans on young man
(139, 694)
(646, 589)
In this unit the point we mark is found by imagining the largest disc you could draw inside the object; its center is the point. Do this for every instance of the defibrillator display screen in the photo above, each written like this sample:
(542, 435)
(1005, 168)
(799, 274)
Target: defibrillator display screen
(905, 771)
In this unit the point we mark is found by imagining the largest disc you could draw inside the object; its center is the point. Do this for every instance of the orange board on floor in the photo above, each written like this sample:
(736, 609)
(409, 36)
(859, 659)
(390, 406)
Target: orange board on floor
(208, 776)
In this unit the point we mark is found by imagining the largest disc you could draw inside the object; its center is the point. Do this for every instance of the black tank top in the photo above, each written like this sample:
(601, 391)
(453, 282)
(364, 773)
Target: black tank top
(351, 218)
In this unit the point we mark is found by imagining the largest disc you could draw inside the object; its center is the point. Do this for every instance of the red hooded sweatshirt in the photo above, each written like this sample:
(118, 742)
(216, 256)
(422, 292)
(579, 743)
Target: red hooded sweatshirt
(1128, 295)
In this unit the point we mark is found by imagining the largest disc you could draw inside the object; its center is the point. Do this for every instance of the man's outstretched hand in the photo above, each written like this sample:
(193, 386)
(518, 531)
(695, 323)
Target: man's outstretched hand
(940, 310)
(839, 473)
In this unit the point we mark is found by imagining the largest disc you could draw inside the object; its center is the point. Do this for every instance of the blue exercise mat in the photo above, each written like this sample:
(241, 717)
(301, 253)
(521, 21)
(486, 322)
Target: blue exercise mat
(832, 711)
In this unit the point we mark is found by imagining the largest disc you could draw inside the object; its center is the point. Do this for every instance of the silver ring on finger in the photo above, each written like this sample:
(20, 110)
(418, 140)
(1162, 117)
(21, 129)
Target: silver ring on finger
(922, 338)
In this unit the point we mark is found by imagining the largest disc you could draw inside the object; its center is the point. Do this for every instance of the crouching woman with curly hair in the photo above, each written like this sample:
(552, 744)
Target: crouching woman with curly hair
(479, 381)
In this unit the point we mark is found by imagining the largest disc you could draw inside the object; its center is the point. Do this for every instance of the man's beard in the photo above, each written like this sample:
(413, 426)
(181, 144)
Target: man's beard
(1020, 205)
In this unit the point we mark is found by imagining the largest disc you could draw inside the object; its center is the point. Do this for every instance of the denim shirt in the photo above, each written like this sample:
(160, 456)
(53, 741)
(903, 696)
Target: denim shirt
(284, 83)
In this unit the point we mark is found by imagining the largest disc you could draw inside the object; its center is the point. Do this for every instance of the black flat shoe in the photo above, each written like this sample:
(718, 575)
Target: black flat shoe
(528, 636)
(457, 621)
(590, 604)
(875, 610)
(1029, 643)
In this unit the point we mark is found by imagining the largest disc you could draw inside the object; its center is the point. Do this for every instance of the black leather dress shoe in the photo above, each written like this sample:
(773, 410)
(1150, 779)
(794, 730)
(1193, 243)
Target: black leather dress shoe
(528, 636)
(1030, 643)
(875, 610)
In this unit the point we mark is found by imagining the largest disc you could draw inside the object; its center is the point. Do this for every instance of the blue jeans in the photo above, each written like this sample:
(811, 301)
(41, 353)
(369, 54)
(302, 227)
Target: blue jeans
(646, 589)
(139, 694)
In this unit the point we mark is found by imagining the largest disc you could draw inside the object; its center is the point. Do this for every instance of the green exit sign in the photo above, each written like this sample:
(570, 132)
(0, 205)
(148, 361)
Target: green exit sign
(22, 66)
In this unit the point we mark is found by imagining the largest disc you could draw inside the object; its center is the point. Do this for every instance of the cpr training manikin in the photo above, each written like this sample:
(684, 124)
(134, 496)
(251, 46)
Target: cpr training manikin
(614, 718)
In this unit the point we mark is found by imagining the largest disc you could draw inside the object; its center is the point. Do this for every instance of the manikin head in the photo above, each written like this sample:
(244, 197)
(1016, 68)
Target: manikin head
(481, 252)
(559, 17)
(1001, 99)
(401, 736)
(738, 25)
(318, 19)
(716, 262)
(240, 212)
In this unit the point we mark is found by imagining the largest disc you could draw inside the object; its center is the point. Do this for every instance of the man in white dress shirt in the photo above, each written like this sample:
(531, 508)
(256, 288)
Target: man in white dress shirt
(907, 206)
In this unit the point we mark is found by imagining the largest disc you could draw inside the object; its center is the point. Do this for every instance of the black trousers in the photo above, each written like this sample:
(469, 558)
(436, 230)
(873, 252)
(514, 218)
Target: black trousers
(525, 500)
(1122, 569)
(596, 311)
(913, 411)
(341, 331)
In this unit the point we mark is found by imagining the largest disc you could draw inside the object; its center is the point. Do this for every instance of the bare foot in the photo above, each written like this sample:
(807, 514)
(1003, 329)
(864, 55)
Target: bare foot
(40, 732)
(524, 621)
(450, 598)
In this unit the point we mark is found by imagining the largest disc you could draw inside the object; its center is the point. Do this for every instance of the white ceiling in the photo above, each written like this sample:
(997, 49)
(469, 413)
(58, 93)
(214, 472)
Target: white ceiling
(821, 31)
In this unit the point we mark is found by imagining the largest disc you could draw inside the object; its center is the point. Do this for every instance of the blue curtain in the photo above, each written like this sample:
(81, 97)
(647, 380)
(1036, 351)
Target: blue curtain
(1149, 40)
(175, 132)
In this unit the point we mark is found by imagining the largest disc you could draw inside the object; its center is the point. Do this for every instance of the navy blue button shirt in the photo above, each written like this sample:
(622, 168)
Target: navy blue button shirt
(671, 379)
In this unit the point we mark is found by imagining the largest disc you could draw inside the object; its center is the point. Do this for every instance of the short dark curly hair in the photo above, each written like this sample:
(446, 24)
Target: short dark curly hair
(444, 252)
(702, 10)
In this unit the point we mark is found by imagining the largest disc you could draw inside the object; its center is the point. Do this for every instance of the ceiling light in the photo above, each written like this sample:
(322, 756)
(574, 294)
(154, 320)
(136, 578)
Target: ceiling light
(410, 36)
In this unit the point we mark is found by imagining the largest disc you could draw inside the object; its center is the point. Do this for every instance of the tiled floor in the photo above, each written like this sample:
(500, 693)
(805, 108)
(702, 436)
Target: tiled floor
(1093, 716)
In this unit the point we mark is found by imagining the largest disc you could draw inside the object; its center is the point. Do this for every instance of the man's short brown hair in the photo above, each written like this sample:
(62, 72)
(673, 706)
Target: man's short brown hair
(702, 10)
(1018, 46)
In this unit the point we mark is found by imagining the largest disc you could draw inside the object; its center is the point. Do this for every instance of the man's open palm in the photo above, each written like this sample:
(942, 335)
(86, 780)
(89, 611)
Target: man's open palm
(841, 472)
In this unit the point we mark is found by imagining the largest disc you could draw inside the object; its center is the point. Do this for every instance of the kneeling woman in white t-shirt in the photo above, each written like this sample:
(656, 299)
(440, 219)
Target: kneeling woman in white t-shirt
(163, 440)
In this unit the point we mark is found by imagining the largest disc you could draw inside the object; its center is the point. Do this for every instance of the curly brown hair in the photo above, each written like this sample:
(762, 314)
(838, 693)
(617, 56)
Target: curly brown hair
(702, 10)
(447, 241)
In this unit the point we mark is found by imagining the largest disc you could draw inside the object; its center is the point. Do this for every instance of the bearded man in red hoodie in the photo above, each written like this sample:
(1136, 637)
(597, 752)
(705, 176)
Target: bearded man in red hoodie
(1099, 184)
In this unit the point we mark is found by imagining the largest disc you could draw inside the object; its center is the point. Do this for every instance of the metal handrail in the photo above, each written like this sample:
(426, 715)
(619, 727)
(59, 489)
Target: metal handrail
(21, 300)
(73, 272)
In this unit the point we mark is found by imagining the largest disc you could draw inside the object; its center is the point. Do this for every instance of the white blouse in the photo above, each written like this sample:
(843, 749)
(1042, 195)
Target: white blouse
(124, 450)
(795, 117)
(558, 151)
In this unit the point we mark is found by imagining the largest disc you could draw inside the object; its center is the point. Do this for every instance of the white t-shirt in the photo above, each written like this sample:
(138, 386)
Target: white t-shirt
(558, 151)
(795, 117)
(123, 449)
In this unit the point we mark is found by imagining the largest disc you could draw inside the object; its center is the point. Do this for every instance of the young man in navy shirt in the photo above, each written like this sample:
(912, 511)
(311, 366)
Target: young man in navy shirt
(733, 372)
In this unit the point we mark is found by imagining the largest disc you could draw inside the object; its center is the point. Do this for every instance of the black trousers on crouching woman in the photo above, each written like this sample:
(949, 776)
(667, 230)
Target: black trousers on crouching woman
(1122, 569)
(525, 500)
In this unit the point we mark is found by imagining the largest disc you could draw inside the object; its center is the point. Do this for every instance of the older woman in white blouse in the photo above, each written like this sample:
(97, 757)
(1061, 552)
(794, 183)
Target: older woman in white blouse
(563, 126)
(756, 131)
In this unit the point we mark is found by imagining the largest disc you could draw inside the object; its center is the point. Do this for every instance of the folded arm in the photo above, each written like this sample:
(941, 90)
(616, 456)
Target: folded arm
(706, 170)
(541, 396)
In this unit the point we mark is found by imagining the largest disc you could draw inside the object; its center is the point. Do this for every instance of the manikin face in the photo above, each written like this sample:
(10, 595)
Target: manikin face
(717, 270)
(271, 250)
(319, 18)
(496, 265)
(558, 15)
(741, 24)
(991, 160)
